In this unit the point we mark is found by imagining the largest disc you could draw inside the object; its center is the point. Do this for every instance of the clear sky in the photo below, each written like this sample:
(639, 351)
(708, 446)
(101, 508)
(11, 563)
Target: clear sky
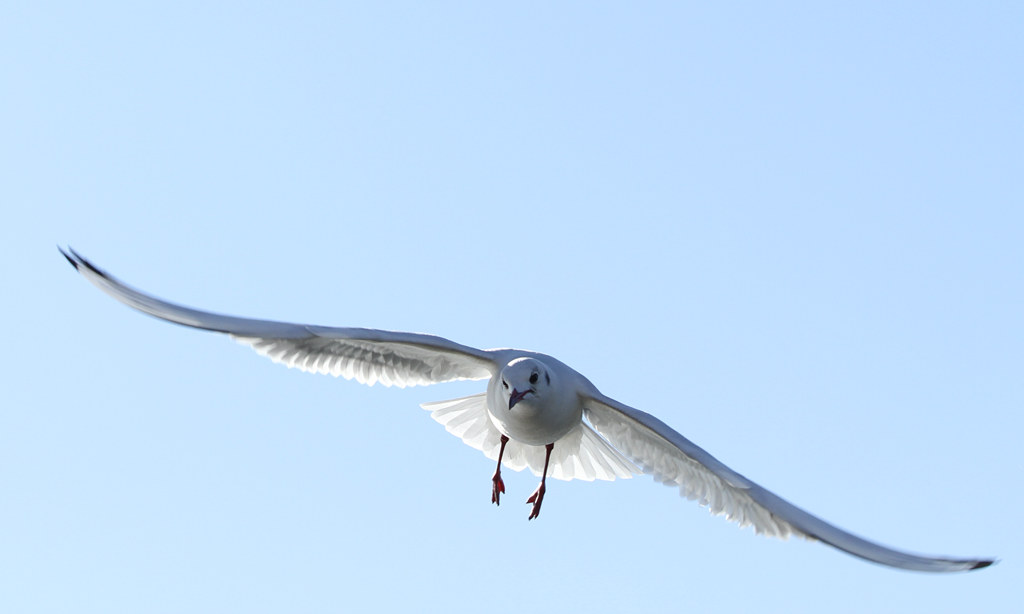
(795, 233)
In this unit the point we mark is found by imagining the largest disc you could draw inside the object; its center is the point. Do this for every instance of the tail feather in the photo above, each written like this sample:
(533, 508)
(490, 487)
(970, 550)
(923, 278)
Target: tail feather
(581, 454)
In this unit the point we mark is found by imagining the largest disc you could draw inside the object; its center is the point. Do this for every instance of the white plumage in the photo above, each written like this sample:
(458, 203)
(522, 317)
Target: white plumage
(579, 455)
(537, 413)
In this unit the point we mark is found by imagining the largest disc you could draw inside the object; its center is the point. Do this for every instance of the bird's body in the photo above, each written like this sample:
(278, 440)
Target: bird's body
(535, 419)
(536, 412)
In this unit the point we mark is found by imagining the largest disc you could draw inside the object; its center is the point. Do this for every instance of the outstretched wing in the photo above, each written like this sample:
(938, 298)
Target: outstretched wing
(366, 355)
(675, 460)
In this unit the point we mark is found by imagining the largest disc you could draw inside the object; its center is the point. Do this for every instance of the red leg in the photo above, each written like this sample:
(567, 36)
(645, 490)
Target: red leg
(497, 485)
(538, 495)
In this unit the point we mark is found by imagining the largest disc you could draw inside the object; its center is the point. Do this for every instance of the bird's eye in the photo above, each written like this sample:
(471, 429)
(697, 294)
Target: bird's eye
(505, 384)
(533, 377)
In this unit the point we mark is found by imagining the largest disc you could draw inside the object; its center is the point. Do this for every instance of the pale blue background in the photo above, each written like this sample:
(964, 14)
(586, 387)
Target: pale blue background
(792, 232)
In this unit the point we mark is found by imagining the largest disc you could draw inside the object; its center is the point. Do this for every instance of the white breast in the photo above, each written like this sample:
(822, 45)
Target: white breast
(535, 420)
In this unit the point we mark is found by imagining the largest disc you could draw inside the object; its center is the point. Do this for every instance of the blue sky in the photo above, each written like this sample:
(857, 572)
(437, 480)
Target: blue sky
(794, 233)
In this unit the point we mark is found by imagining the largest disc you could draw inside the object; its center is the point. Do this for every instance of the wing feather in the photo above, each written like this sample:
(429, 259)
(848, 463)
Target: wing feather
(366, 355)
(675, 460)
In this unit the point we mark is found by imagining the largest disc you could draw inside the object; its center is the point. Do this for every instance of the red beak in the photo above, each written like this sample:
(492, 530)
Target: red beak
(516, 397)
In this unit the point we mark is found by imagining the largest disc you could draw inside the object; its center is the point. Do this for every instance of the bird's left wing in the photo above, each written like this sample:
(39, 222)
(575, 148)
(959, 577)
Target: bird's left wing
(675, 460)
(366, 355)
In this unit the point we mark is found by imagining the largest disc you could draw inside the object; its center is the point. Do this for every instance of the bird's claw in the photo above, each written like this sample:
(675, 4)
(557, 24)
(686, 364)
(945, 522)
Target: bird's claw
(536, 499)
(497, 487)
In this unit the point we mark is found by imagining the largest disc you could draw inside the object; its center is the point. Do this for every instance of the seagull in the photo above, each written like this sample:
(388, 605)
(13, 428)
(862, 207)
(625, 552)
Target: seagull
(536, 413)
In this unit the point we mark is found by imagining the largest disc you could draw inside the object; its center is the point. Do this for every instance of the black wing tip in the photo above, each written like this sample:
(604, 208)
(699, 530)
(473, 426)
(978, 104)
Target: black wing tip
(73, 262)
(982, 564)
(78, 261)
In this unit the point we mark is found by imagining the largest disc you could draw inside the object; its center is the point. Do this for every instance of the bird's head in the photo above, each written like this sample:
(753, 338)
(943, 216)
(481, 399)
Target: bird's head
(524, 378)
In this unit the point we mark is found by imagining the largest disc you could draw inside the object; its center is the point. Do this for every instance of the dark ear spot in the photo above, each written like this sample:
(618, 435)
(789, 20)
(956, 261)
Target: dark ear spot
(547, 378)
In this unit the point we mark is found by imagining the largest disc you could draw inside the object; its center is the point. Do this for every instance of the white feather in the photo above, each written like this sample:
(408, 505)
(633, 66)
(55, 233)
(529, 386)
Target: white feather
(580, 455)
(663, 460)
(607, 437)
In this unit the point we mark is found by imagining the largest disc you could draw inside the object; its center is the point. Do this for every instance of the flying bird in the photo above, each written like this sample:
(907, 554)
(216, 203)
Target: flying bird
(537, 412)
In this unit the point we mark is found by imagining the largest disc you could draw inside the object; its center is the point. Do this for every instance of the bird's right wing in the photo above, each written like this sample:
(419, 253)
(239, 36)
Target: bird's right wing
(675, 460)
(366, 355)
